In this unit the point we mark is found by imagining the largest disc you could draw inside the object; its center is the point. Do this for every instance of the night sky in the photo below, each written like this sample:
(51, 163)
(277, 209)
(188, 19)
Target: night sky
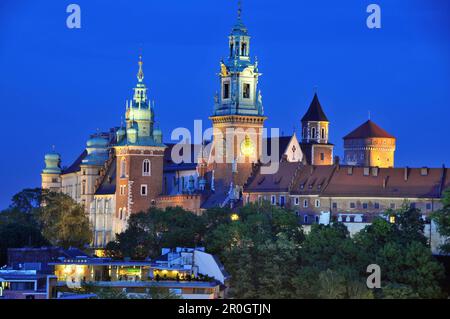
(58, 85)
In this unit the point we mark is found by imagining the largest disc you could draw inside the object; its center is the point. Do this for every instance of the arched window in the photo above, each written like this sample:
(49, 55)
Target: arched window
(123, 168)
(313, 132)
(146, 168)
(323, 133)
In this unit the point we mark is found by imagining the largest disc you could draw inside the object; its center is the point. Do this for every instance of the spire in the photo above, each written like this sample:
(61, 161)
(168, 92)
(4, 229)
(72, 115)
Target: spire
(140, 74)
(315, 111)
(239, 9)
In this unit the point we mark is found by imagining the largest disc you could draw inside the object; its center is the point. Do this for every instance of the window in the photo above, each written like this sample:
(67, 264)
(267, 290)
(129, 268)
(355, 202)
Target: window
(305, 203)
(246, 91)
(120, 213)
(428, 206)
(305, 219)
(143, 190)
(317, 219)
(123, 189)
(282, 201)
(365, 205)
(322, 156)
(146, 168)
(248, 199)
(244, 49)
(296, 201)
(376, 205)
(226, 90)
(323, 133)
(317, 202)
(123, 168)
(334, 205)
(313, 132)
(413, 205)
(392, 219)
(392, 206)
(352, 205)
(273, 199)
(83, 187)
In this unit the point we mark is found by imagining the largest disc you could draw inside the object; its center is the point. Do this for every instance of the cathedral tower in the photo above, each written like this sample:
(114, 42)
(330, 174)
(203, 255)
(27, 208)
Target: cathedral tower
(238, 116)
(315, 135)
(139, 155)
(369, 145)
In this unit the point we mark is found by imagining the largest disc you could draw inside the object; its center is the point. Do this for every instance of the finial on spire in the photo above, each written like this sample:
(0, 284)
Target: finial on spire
(53, 147)
(140, 74)
(316, 88)
(239, 9)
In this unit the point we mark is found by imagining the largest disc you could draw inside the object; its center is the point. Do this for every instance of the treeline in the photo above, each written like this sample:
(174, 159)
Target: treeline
(266, 252)
(26, 223)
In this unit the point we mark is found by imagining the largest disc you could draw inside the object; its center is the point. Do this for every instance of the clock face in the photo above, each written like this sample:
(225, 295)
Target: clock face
(247, 147)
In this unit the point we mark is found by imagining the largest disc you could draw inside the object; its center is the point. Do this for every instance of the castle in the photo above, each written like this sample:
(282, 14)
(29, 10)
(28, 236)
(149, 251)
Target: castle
(129, 168)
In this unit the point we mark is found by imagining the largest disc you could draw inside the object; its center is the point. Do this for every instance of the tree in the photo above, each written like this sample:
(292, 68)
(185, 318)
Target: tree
(442, 219)
(148, 232)
(64, 222)
(28, 200)
(18, 230)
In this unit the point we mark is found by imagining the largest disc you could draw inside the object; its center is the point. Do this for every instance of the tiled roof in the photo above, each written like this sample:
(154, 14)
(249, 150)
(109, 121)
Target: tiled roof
(352, 181)
(280, 181)
(388, 182)
(368, 129)
(315, 112)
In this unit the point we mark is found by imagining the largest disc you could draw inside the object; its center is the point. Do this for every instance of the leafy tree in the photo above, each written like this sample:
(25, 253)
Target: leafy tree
(148, 232)
(64, 222)
(28, 200)
(442, 219)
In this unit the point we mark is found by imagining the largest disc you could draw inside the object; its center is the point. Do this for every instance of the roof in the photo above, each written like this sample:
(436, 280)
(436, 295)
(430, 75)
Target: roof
(353, 181)
(170, 165)
(280, 181)
(283, 142)
(75, 167)
(315, 112)
(368, 129)
(108, 184)
(404, 182)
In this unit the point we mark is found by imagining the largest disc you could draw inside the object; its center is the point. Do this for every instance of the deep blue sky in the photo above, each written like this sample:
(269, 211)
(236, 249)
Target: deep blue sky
(59, 85)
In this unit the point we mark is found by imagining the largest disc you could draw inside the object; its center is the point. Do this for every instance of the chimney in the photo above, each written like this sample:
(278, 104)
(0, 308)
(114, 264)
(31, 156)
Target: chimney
(385, 180)
(424, 171)
(406, 173)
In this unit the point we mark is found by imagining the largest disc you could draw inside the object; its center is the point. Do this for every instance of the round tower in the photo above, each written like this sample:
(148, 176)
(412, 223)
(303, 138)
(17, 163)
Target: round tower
(369, 145)
(51, 174)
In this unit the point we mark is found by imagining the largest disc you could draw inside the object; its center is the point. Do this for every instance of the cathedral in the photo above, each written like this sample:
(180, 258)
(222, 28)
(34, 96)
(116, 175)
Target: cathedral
(130, 168)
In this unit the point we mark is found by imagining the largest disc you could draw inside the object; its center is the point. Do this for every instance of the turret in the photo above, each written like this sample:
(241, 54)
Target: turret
(51, 174)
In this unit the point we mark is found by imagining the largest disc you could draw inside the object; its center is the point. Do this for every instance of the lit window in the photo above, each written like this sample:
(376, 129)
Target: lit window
(146, 168)
(392, 219)
(144, 190)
